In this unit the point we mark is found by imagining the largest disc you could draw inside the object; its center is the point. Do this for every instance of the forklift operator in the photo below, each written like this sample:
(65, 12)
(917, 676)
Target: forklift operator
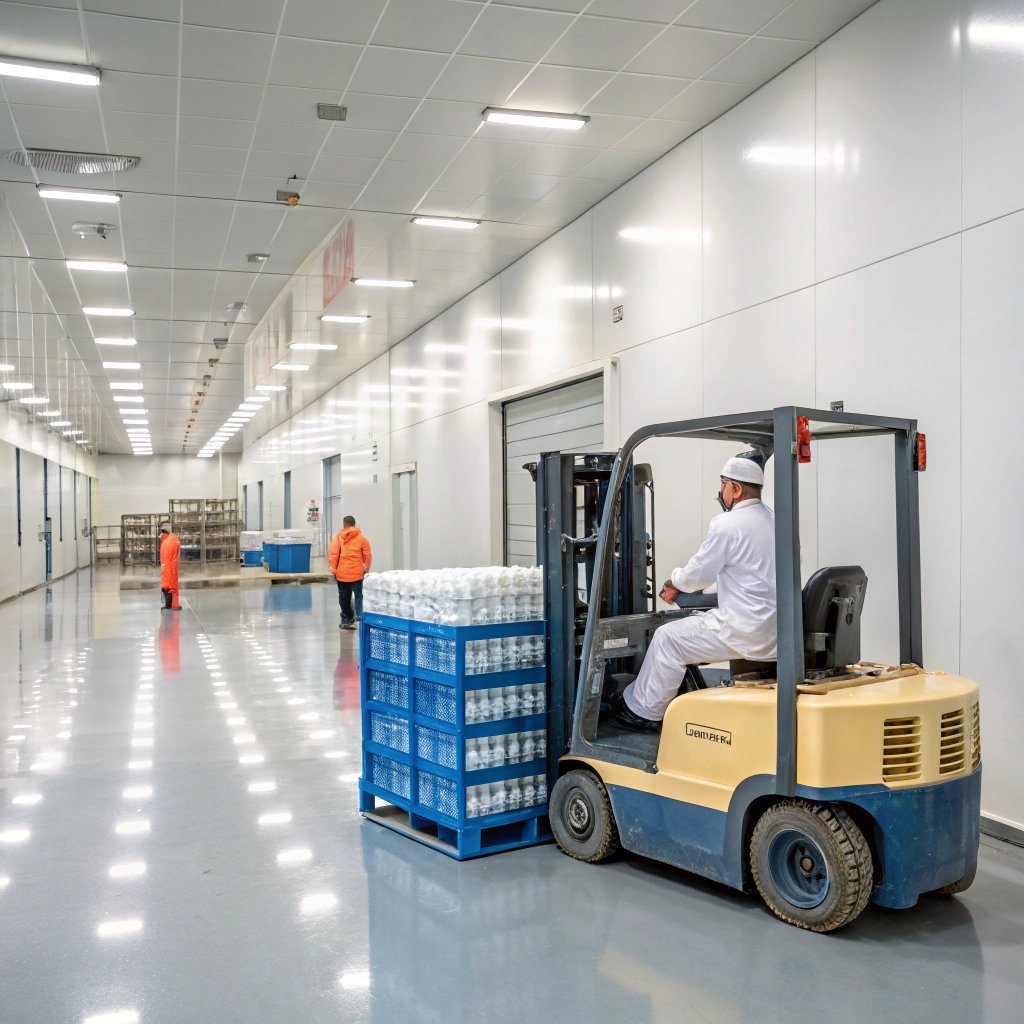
(739, 556)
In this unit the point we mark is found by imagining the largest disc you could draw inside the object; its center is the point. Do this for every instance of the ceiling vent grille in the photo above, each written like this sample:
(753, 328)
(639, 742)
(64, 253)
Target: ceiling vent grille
(60, 162)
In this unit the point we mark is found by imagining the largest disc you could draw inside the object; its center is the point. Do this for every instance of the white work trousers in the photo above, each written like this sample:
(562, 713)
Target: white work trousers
(675, 645)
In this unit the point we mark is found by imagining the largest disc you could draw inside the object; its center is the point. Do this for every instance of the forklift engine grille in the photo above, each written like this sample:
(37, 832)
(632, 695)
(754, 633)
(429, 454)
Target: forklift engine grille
(901, 749)
(951, 745)
(975, 735)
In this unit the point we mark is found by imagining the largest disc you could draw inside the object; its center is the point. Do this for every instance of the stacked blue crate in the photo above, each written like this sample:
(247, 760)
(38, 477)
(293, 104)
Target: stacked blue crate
(455, 730)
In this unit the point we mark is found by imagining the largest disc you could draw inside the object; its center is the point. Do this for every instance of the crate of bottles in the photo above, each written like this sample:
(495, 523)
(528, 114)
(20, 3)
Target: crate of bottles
(455, 729)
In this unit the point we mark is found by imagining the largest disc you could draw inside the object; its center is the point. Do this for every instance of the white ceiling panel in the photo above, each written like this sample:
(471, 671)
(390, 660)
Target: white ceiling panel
(218, 98)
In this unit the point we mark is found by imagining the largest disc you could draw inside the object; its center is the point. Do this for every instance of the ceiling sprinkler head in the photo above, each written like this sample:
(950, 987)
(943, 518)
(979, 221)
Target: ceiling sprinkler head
(84, 229)
(258, 257)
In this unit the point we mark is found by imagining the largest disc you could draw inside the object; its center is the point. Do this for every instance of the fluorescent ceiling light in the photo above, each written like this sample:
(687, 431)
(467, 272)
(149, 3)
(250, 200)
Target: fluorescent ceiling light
(271, 387)
(458, 223)
(104, 266)
(122, 366)
(312, 346)
(81, 440)
(344, 319)
(80, 195)
(205, 455)
(17, 385)
(5, 367)
(382, 282)
(120, 385)
(127, 413)
(71, 433)
(250, 408)
(123, 342)
(535, 118)
(48, 413)
(135, 423)
(129, 398)
(34, 400)
(47, 71)
(61, 423)
(107, 311)
(296, 367)
(257, 398)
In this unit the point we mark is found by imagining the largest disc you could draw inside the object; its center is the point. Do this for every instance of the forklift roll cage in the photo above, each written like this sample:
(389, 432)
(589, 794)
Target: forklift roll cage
(780, 432)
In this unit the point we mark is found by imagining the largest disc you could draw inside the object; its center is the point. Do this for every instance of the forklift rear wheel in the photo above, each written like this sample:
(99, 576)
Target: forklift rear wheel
(811, 864)
(582, 819)
(960, 885)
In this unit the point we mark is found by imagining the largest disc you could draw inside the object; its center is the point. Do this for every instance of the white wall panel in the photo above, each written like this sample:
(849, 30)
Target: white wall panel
(130, 484)
(993, 545)
(453, 491)
(546, 307)
(675, 363)
(10, 562)
(889, 344)
(647, 254)
(758, 195)
(33, 550)
(82, 486)
(993, 94)
(888, 133)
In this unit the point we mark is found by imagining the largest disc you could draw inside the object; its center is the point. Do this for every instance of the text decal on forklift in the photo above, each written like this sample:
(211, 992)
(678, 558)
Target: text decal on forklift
(706, 732)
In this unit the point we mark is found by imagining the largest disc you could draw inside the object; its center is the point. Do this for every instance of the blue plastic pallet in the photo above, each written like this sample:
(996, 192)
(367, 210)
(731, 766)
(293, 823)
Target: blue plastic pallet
(415, 735)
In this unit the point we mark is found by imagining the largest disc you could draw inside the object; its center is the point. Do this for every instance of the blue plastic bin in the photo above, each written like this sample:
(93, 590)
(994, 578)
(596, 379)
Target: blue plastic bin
(252, 558)
(286, 557)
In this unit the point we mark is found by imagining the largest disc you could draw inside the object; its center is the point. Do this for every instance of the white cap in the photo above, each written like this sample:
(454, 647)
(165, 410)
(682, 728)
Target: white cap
(165, 527)
(744, 471)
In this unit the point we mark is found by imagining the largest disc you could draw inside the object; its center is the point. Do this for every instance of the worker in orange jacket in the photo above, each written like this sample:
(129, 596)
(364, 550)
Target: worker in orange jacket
(349, 559)
(170, 549)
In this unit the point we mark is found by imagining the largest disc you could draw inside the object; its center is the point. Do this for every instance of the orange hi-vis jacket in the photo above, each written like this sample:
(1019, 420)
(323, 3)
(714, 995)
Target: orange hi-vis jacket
(170, 548)
(349, 555)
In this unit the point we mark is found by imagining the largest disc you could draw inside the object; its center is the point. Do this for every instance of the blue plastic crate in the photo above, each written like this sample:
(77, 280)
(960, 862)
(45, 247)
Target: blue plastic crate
(436, 747)
(435, 700)
(438, 793)
(388, 688)
(252, 558)
(434, 653)
(389, 731)
(281, 557)
(391, 645)
(391, 776)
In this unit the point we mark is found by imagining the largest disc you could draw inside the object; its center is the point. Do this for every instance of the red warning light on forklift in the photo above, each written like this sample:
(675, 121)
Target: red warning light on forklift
(920, 453)
(803, 439)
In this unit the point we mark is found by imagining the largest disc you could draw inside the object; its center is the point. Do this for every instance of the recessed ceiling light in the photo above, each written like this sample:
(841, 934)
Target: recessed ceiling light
(382, 282)
(17, 385)
(71, 433)
(122, 366)
(457, 223)
(344, 319)
(49, 71)
(119, 385)
(123, 342)
(312, 346)
(271, 387)
(80, 195)
(34, 400)
(129, 398)
(296, 367)
(103, 266)
(107, 311)
(535, 118)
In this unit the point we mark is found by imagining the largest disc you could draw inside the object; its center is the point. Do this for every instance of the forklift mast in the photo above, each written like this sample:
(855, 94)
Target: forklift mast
(571, 500)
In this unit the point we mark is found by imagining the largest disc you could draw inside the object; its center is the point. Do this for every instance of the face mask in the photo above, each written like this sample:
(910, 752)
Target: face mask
(719, 499)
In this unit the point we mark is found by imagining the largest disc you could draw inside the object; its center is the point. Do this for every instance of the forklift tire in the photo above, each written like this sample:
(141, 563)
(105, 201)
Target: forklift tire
(960, 885)
(811, 864)
(581, 818)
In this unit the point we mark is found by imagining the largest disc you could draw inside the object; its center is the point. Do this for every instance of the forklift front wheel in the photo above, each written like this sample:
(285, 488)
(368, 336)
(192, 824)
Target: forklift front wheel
(581, 817)
(811, 864)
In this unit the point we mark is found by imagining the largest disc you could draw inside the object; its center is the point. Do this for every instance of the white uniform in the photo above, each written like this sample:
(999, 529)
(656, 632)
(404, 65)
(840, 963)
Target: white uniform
(739, 555)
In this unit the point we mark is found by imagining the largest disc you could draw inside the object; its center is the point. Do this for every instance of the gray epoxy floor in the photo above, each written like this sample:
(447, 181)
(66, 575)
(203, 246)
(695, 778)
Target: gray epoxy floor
(179, 843)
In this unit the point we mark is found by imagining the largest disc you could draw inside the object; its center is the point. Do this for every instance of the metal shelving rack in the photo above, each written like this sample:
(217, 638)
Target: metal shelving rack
(140, 538)
(106, 543)
(207, 528)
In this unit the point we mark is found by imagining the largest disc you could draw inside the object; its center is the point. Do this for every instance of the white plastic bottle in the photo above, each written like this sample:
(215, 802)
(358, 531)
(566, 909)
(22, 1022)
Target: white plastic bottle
(529, 747)
(499, 798)
(472, 756)
(498, 752)
(513, 749)
(472, 707)
(512, 702)
(542, 789)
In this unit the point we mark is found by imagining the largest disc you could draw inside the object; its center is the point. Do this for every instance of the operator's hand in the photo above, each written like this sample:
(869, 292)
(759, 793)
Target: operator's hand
(668, 593)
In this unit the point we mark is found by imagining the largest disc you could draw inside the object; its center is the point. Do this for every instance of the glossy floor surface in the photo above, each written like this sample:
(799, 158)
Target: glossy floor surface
(179, 843)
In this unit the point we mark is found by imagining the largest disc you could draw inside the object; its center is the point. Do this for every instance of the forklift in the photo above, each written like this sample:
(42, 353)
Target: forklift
(822, 781)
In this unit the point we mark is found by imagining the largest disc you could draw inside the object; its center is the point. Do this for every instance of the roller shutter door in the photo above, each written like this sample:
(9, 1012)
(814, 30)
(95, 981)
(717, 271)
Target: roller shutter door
(566, 419)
